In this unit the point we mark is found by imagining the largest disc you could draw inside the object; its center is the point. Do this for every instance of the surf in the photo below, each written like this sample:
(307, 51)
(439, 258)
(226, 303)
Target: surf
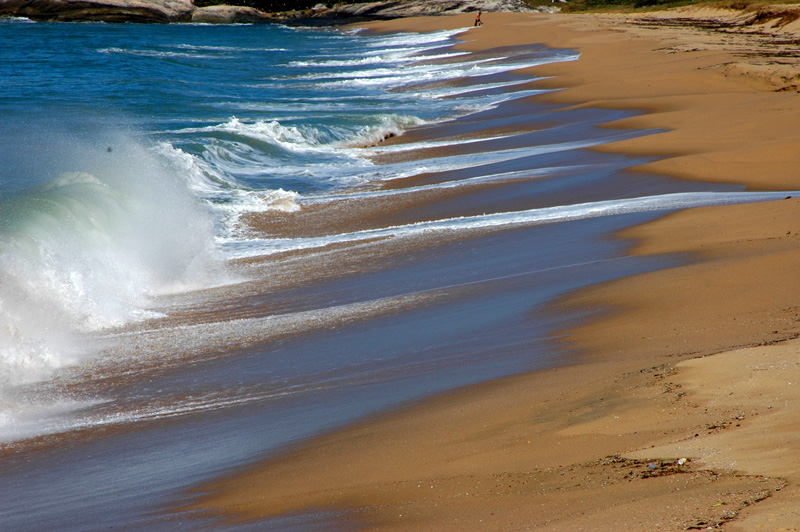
(106, 228)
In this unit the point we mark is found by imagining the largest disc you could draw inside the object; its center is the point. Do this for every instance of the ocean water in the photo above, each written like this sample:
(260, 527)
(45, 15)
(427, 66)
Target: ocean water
(218, 241)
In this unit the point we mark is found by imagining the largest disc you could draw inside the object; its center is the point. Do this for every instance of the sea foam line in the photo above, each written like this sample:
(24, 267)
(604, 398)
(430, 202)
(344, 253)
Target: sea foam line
(397, 148)
(425, 73)
(452, 163)
(402, 56)
(415, 39)
(391, 70)
(541, 216)
(467, 89)
(517, 175)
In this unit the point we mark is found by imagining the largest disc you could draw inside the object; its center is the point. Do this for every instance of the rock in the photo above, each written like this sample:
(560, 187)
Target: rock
(184, 11)
(412, 8)
(229, 15)
(100, 10)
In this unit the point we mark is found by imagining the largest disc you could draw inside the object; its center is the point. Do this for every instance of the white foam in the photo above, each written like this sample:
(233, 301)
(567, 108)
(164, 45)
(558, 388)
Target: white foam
(310, 139)
(399, 148)
(452, 163)
(520, 175)
(393, 78)
(391, 56)
(409, 70)
(155, 53)
(227, 48)
(19, 420)
(371, 58)
(16, 20)
(411, 40)
(449, 92)
(563, 213)
(88, 251)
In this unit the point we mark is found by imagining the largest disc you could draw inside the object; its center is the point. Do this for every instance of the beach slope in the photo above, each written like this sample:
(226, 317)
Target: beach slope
(682, 412)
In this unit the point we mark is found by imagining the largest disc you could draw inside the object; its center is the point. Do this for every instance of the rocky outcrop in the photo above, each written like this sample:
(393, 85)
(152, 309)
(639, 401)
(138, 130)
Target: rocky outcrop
(100, 10)
(390, 9)
(229, 15)
(413, 8)
(185, 11)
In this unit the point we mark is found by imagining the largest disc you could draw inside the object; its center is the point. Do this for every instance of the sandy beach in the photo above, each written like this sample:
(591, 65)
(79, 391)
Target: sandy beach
(681, 412)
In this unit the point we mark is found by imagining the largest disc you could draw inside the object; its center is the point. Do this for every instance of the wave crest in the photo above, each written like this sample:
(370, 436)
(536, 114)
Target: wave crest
(89, 249)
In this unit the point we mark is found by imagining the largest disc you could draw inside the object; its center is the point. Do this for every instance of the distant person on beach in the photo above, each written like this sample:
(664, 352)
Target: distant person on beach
(478, 19)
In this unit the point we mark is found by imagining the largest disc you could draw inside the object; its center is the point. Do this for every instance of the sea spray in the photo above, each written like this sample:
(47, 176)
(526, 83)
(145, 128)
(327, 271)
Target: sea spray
(108, 225)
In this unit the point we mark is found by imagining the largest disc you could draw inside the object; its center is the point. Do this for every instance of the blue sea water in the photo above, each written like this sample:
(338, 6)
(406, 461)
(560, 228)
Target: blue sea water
(128, 152)
(152, 337)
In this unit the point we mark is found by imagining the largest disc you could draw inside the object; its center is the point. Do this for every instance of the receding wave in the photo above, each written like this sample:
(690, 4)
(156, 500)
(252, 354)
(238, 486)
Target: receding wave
(547, 215)
(387, 57)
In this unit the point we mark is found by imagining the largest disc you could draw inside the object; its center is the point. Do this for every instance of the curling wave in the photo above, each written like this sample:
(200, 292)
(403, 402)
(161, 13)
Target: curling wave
(89, 249)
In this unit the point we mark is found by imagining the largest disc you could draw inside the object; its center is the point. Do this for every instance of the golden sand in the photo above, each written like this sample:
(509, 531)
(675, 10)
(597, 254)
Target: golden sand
(684, 413)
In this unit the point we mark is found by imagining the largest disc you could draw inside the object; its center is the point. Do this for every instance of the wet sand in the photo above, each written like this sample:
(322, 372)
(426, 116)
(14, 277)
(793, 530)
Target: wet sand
(681, 411)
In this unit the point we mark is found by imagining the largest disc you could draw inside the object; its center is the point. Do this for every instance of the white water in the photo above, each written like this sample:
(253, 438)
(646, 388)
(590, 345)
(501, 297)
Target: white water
(548, 215)
(87, 250)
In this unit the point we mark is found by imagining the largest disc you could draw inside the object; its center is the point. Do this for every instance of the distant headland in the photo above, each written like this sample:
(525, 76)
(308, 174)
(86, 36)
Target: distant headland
(206, 11)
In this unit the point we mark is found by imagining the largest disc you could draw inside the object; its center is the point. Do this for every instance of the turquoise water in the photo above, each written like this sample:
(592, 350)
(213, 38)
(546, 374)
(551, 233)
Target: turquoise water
(153, 337)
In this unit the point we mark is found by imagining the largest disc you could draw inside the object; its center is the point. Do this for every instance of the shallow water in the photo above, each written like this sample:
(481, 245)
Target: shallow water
(209, 253)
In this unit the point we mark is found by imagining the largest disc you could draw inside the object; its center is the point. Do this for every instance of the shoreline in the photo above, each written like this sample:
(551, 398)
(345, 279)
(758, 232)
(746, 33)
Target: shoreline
(536, 450)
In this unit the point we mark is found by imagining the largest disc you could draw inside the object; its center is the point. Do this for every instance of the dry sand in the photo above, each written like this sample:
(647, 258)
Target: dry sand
(697, 362)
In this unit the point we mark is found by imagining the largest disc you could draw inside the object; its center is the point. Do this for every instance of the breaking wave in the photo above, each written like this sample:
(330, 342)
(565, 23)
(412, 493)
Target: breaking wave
(107, 228)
